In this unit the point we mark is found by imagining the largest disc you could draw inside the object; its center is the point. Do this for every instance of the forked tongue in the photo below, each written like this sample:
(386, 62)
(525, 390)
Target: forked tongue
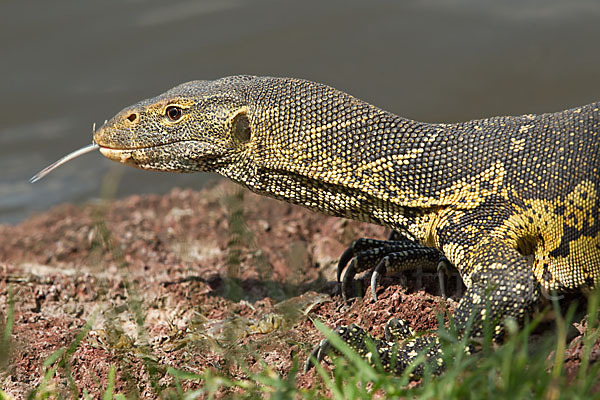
(67, 158)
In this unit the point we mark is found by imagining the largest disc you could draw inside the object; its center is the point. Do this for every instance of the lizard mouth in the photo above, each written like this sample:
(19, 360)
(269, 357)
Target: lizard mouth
(180, 156)
(124, 156)
(142, 157)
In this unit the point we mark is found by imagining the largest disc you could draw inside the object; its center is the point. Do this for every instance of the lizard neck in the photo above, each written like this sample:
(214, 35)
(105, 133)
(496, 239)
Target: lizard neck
(347, 158)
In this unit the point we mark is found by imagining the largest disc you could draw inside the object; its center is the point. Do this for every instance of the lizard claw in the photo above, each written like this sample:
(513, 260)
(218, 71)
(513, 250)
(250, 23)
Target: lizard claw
(442, 271)
(317, 354)
(348, 281)
(379, 270)
(362, 246)
(347, 255)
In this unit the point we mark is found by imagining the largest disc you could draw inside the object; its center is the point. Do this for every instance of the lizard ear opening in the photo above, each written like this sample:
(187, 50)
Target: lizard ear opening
(241, 127)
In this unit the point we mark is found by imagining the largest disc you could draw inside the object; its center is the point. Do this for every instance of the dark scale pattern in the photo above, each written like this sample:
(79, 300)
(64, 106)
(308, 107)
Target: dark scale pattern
(512, 202)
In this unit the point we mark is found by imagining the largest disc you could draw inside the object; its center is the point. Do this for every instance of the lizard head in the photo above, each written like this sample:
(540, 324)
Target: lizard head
(196, 126)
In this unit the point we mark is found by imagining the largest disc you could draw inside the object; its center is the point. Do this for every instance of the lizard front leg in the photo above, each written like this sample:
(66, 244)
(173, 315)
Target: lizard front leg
(500, 285)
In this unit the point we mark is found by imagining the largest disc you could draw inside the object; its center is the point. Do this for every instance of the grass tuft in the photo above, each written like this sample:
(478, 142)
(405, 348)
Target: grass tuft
(5, 343)
(514, 370)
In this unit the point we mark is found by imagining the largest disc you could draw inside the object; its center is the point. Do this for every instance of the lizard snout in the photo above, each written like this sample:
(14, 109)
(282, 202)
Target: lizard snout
(117, 132)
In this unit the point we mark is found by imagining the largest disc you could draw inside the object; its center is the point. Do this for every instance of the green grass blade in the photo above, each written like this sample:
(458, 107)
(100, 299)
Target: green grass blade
(108, 393)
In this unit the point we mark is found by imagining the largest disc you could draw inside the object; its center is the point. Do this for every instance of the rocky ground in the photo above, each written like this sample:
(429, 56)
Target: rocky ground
(193, 280)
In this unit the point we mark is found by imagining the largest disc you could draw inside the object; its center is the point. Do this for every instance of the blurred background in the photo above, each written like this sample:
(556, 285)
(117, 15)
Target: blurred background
(66, 64)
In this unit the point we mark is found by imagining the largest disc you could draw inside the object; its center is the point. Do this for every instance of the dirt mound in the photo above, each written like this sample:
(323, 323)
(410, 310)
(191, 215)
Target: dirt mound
(192, 280)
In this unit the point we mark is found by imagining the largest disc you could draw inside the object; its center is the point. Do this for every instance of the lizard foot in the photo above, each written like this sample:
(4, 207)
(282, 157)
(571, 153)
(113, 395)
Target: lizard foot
(386, 256)
(393, 356)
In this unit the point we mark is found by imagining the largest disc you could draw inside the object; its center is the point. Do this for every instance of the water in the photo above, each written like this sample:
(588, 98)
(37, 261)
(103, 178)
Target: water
(66, 64)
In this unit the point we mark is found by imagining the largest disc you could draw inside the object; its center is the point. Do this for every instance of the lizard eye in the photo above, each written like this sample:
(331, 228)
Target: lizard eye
(173, 113)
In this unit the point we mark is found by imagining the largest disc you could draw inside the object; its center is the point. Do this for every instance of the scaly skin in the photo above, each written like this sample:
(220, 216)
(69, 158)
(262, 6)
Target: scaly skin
(512, 202)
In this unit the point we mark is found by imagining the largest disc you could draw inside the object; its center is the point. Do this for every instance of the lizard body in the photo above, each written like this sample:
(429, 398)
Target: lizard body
(512, 202)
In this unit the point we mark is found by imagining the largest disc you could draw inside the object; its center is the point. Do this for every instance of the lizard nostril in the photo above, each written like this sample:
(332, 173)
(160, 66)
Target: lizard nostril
(132, 117)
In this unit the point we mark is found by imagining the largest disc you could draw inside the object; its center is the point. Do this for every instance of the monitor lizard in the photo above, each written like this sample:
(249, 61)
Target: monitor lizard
(512, 202)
